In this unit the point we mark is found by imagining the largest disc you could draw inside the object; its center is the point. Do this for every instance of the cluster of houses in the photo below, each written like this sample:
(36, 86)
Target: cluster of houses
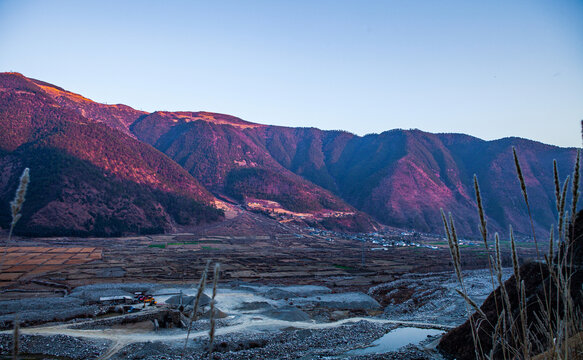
(384, 240)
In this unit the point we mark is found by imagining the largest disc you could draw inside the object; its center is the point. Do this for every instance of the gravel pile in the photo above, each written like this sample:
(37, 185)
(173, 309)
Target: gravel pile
(56, 345)
(341, 301)
(92, 293)
(432, 297)
(40, 310)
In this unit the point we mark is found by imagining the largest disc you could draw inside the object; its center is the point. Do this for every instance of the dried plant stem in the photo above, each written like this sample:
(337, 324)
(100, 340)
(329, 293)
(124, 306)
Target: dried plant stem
(16, 208)
(484, 232)
(562, 206)
(525, 195)
(212, 311)
(19, 197)
(194, 314)
(456, 257)
(576, 176)
(557, 185)
(16, 338)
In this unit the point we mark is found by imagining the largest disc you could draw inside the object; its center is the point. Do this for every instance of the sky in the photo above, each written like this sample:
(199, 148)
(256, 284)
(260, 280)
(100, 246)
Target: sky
(490, 69)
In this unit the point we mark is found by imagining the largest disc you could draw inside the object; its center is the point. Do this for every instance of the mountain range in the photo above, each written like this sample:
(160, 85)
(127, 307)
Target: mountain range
(101, 169)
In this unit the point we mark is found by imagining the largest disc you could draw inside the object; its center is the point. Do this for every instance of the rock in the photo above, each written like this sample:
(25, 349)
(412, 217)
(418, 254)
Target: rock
(93, 296)
(254, 305)
(188, 300)
(342, 301)
(306, 290)
(277, 294)
(339, 315)
(287, 313)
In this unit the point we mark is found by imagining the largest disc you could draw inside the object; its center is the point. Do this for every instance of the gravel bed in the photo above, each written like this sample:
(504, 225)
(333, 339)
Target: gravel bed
(287, 344)
(56, 345)
(92, 293)
(33, 311)
(432, 297)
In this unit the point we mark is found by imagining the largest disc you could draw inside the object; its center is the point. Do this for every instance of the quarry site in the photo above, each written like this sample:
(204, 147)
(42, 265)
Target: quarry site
(302, 295)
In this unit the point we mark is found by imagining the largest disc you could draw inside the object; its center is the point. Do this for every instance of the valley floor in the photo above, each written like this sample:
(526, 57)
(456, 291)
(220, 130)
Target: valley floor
(286, 296)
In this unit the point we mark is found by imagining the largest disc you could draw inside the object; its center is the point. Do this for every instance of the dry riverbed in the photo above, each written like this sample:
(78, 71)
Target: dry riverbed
(257, 322)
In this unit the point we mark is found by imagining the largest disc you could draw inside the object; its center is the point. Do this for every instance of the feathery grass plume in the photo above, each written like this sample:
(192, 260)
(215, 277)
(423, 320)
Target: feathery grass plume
(525, 195)
(19, 197)
(193, 314)
(16, 338)
(538, 256)
(520, 176)
(456, 257)
(212, 311)
(557, 186)
(576, 176)
(483, 229)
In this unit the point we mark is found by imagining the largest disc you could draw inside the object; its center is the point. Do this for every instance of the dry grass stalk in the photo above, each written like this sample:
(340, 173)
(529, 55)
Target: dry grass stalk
(557, 185)
(484, 232)
(551, 245)
(562, 206)
(525, 196)
(576, 175)
(456, 257)
(520, 176)
(483, 227)
(194, 313)
(19, 197)
(16, 339)
(514, 337)
(212, 311)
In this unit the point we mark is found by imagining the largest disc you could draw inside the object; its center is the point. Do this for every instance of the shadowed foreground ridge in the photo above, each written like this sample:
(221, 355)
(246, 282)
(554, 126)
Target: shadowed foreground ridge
(459, 344)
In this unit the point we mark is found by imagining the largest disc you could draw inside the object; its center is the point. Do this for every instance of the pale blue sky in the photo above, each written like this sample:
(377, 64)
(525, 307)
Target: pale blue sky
(486, 68)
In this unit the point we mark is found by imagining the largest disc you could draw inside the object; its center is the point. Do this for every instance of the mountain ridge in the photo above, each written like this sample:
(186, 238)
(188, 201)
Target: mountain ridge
(87, 178)
(398, 177)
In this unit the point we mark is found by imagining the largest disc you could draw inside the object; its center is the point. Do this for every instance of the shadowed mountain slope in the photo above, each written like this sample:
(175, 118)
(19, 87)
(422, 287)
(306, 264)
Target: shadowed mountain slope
(225, 154)
(85, 177)
(400, 177)
(403, 177)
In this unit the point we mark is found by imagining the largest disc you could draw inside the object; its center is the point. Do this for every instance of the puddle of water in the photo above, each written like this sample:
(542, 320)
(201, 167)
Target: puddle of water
(396, 339)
